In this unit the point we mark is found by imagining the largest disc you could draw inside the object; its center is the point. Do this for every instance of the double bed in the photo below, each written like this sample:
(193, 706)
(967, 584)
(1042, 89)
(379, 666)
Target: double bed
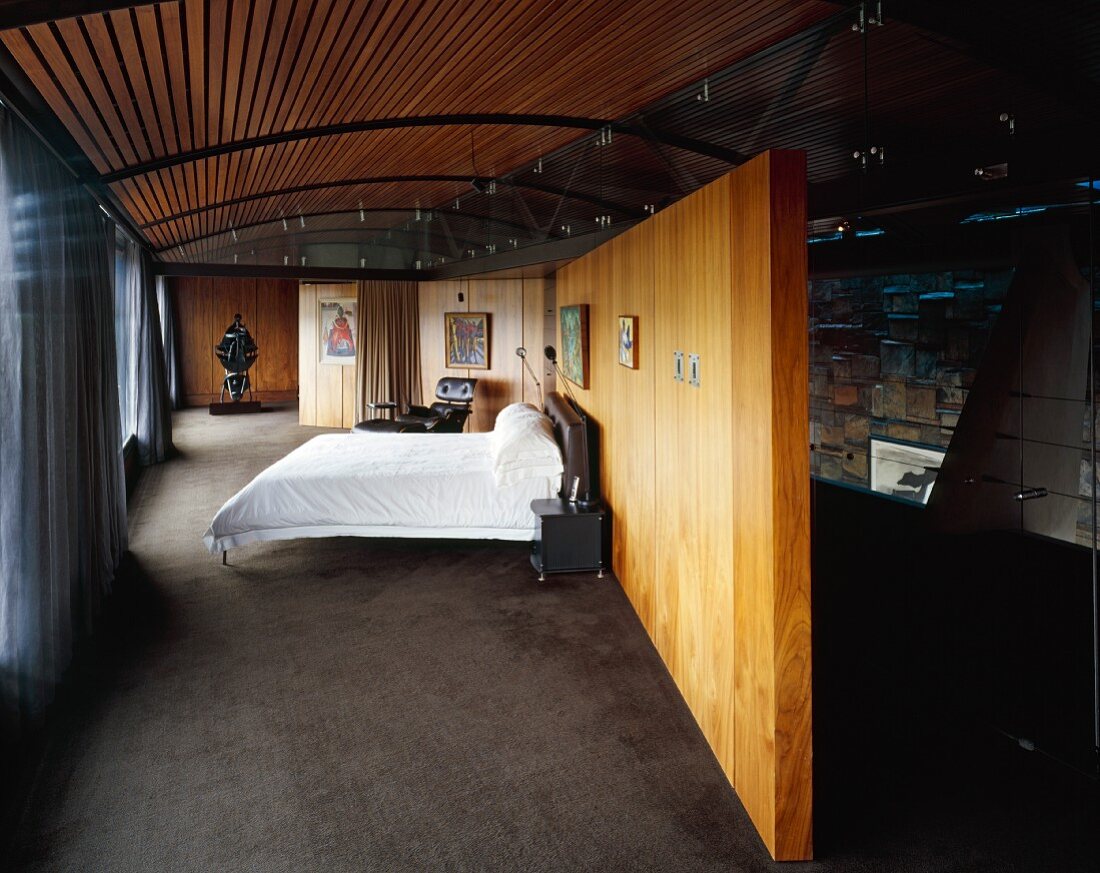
(445, 486)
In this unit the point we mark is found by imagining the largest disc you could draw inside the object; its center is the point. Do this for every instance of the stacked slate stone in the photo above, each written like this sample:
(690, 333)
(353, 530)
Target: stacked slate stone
(894, 356)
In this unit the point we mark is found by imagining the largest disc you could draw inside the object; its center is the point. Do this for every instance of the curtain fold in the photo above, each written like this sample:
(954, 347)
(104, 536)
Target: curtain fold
(388, 368)
(145, 403)
(173, 370)
(62, 489)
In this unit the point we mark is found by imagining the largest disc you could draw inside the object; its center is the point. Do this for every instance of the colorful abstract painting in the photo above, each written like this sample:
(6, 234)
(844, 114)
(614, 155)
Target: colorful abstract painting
(574, 344)
(337, 320)
(467, 337)
(628, 341)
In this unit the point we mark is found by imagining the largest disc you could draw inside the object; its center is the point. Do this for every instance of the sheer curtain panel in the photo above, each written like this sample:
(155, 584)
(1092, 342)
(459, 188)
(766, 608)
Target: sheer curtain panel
(172, 369)
(62, 497)
(145, 403)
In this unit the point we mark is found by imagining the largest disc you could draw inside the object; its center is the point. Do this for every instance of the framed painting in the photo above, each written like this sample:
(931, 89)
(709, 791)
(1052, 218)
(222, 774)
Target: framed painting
(574, 343)
(905, 470)
(337, 320)
(466, 335)
(628, 341)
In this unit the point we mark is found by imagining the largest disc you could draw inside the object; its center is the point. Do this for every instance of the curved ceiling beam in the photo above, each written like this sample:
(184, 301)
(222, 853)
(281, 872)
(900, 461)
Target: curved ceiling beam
(493, 118)
(387, 180)
(473, 216)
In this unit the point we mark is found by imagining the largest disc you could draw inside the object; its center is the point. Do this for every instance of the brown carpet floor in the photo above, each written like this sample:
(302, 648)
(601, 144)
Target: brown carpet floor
(406, 705)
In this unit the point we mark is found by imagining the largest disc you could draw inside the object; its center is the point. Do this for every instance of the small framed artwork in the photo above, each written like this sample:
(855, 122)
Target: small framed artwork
(628, 341)
(574, 343)
(466, 335)
(337, 320)
(905, 470)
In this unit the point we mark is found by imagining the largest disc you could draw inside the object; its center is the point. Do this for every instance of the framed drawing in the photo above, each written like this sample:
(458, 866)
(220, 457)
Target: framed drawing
(466, 335)
(574, 343)
(905, 470)
(628, 341)
(337, 320)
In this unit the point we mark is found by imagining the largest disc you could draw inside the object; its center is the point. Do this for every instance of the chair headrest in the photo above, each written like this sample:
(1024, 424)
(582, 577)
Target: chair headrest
(455, 390)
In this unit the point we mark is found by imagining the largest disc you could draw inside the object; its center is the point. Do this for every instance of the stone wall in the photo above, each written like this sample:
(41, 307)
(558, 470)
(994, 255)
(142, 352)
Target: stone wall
(893, 356)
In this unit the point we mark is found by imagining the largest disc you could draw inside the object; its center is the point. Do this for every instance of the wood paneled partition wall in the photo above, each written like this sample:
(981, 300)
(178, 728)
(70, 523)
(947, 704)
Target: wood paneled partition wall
(205, 306)
(709, 486)
(517, 309)
(326, 392)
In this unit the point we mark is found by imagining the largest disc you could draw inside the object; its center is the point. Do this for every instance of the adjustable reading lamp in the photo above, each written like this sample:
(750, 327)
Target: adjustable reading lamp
(587, 501)
(521, 352)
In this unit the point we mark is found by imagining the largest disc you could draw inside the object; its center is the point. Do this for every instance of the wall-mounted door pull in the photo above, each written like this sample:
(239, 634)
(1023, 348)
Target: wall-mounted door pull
(1029, 494)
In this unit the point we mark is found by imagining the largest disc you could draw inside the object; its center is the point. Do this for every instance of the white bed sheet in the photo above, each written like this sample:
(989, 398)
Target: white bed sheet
(381, 485)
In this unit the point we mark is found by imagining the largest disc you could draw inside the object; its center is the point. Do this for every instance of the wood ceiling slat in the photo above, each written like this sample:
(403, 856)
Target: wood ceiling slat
(172, 32)
(318, 61)
(134, 69)
(285, 32)
(84, 126)
(317, 12)
(240, 12)
(214, 49)
(261, 23)
(71, 34)
(148, 26)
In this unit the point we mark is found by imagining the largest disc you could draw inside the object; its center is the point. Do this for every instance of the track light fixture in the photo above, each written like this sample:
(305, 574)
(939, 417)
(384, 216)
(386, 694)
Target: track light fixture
(285, 224)
(233, 231)
(1009, 119)
(704, 95)
(286, 260)
(873, 153)
(604, 138)
(301, 220)
(865, 19)
(362, 212)
(603, 221)
(538, 166)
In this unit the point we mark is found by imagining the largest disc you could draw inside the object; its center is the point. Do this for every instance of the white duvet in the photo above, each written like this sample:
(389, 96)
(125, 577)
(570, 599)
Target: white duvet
(385, 485)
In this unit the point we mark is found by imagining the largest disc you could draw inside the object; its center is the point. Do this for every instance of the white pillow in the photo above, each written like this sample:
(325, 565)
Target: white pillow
(522, 445)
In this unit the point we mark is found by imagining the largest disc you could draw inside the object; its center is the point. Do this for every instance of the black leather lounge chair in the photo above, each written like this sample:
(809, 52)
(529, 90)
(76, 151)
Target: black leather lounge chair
(447, 415)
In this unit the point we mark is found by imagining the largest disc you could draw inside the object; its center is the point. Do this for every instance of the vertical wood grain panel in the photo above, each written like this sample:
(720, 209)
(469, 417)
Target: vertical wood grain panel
(276, 370)
(714, 554)
(191, 297)
(307, 355)
(436, 298)
(533, 336)
(502, 383)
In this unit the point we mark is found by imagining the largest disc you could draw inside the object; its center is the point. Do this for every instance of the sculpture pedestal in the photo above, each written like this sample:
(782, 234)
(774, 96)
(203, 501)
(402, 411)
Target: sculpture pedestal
(238, 407)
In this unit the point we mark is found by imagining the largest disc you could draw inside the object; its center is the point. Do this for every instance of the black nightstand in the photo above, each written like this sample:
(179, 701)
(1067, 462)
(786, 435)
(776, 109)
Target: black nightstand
(570, 539)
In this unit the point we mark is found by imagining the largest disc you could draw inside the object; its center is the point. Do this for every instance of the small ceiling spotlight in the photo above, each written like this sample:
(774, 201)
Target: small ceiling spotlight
(1009, 119)
(362, 263)
(865, 157)
(456, 204)
(567, 229)
(182, 255)
(603, 221)
(416, 214)
(303, 260)
(704, 95)
(416, 265)
(513, 242)
(286, 260)
(992, 173)
(538, 166)
(491, 248)
(864, 20)
(604, 138)
(301, 220)
(235, 257)
(233, 231)
(843, 225)
(284, 223)
(362, 212)
(471, 252)
(651, 208)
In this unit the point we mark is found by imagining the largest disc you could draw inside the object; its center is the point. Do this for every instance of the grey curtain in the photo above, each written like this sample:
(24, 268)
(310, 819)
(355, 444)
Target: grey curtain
(146, 405)
(62, 491)
(389, 344)
(173, 370)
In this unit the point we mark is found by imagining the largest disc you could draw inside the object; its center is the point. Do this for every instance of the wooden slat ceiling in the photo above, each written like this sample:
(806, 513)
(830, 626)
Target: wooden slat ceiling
(136, 85)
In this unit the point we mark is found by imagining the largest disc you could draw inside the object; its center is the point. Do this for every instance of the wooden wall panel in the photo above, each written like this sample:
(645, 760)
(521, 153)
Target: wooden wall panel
(205, 306)
(534, 336)
(327, 390)
(515, 306)
(709, 487)
(276, 370)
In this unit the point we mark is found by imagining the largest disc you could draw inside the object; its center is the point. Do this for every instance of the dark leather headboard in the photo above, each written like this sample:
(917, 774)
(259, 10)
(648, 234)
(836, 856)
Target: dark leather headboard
(569, 432)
